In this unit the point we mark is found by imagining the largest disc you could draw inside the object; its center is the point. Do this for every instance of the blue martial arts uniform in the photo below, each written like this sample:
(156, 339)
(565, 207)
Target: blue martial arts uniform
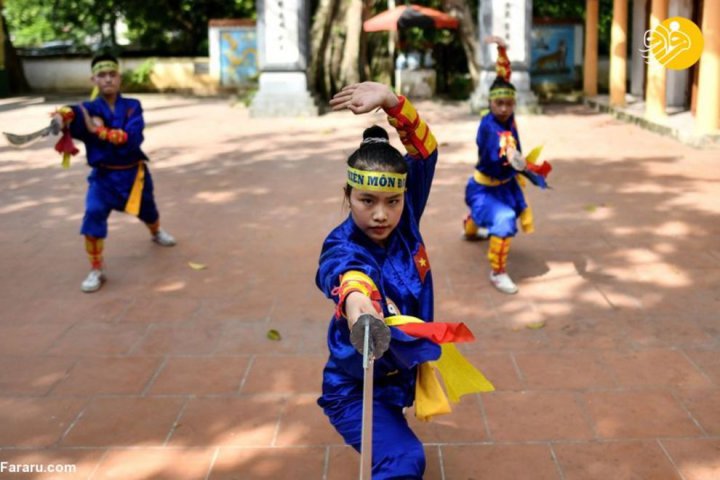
(401, 272)
(114, 167)
(496, 207)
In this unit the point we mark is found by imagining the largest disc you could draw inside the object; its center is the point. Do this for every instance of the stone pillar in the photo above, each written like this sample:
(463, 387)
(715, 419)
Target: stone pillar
(678, 81)
(707, 115)
(637, 69)
(511, 20)
(618, 54)
(657, 74)
(282, 28)
(590, 67)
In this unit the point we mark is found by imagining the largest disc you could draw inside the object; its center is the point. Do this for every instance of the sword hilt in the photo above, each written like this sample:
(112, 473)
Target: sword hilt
(370, 336)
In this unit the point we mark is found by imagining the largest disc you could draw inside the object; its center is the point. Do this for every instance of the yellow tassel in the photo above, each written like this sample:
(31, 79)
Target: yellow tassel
(66, 160)
(94, 93)
(133, 204)
(430, 400)
(526, 220)
(458, 375)
(534, 154)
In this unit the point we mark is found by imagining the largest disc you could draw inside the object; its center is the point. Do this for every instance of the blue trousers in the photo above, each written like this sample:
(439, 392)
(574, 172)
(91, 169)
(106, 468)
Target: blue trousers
(496, 208)
(397, 452)
(109, 190)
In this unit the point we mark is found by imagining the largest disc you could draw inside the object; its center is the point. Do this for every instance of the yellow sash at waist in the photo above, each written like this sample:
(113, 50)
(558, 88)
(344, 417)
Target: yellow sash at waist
(133, 204)
(483, 179)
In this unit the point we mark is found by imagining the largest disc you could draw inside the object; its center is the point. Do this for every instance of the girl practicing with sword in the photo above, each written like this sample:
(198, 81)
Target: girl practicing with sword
(375, 263)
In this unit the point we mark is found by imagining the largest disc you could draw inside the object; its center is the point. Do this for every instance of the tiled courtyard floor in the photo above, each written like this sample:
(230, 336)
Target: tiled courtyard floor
(167, 372)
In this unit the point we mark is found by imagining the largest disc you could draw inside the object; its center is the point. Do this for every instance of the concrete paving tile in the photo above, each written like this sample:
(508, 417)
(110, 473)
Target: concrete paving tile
(124, 421)
(655, 367)
(108, 376)
(245, 421)
(88, 338)
(618, 460)
(702, 403)
(526, 416)
(638, 414)
(36, 422)
(304, 423)
(695, 459)
(200, 376)
(32, 375)
(564, 371)
(155, 463)
(285, 375)
(268, 463)
(499, 462)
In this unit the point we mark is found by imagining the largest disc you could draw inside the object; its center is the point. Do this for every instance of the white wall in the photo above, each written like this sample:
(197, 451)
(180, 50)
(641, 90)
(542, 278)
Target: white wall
(73, 74)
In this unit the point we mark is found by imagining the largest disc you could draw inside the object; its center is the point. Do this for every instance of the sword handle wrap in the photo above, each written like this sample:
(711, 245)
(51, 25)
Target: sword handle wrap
(67, 114)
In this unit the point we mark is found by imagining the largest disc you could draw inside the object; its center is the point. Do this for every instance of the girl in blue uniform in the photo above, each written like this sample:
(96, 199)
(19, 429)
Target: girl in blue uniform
(375, 262)
(111, 127)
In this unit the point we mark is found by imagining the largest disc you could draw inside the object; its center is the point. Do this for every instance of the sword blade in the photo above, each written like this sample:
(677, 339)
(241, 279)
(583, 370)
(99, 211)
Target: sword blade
(19, 140)
(367, 415)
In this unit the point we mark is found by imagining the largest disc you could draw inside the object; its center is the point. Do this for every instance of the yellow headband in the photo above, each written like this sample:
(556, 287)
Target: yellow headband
(502, 93)
(105, 65)
(376, 181)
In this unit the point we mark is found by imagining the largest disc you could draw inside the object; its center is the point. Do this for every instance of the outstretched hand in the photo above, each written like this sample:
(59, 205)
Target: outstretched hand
(357, 304)
(364, 97)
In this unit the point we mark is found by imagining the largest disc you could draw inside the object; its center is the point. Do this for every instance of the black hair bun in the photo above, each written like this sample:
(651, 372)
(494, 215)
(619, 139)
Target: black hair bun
(375, 132)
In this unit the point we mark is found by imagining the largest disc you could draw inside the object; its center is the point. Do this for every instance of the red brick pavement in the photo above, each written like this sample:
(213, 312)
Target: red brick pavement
(167, 373)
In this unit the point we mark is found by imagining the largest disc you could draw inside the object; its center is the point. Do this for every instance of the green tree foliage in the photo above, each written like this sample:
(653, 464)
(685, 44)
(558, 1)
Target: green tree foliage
(180, 26)
(30, 22)
(168, 26)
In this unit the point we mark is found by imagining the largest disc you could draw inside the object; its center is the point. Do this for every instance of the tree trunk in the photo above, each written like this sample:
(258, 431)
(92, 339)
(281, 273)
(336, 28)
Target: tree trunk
(337, 45)
(350, 64)
(333, 57)
(17, 83)
(364, 60)
(319, 41)
(468, 34)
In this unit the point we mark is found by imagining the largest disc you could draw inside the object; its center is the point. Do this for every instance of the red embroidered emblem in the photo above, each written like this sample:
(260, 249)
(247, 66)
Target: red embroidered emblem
(421, 262)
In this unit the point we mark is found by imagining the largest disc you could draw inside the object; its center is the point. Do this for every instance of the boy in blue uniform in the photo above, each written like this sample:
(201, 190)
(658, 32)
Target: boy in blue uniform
(111, 127)
(375, 262)
(494, 194)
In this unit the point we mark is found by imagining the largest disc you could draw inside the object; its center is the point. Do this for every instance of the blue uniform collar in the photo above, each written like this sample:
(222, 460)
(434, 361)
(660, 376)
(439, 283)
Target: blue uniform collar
(507, 125)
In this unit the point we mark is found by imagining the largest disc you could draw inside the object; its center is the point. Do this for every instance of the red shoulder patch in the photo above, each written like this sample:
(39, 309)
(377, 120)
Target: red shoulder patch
(421, 262)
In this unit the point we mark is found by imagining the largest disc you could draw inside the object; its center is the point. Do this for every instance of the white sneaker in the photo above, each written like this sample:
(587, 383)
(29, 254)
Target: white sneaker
(482, 233)
(163, 238)
(471, 231)
(503, 282)
(93, 281)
